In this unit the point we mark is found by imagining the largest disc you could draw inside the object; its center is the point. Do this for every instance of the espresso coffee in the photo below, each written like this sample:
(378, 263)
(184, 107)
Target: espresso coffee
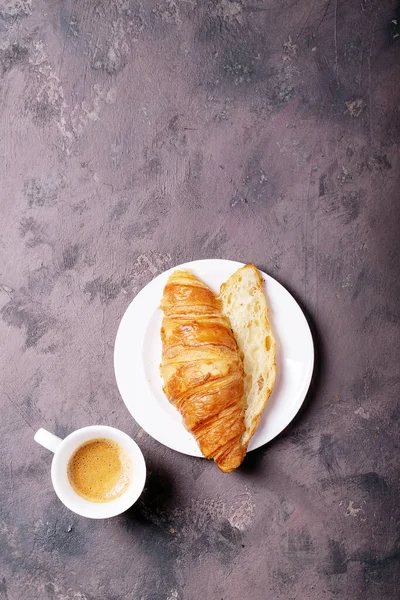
(100, 470)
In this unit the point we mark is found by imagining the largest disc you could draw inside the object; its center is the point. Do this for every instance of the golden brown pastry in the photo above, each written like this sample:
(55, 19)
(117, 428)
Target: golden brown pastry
(202, 369)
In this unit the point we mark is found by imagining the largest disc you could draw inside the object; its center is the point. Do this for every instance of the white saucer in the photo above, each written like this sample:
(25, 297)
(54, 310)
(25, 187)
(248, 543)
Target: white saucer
(137, 357)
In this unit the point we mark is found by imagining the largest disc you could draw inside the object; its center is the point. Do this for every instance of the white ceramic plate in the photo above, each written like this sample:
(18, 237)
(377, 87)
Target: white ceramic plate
(137, 357)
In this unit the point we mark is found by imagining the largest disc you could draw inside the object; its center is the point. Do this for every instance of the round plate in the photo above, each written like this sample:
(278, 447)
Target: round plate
(137, 358)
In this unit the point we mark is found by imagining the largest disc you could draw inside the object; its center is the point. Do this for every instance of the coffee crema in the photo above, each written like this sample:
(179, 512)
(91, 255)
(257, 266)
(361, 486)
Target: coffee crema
(100, 470)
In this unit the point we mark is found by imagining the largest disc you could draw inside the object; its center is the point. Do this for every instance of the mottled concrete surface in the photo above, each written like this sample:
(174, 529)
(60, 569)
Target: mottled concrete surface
(137, 135)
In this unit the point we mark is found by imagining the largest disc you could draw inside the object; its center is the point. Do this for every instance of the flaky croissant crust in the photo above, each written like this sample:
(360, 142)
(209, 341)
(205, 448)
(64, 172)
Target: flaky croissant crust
(202, 370)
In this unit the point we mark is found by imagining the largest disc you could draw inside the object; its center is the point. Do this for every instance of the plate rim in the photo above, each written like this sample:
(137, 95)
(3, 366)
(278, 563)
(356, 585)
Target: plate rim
(193, 264)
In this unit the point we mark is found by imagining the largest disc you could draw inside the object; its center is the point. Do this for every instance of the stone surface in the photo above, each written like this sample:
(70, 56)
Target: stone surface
(138, 135)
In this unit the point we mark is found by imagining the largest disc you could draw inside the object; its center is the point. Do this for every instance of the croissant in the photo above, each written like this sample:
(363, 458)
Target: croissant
(202, 370)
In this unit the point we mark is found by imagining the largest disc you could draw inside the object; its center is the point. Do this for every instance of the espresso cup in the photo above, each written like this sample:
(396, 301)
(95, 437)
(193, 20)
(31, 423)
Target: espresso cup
(63, 451)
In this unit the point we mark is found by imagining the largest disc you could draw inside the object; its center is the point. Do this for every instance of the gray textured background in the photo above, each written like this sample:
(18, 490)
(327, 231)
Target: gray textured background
(138, 135)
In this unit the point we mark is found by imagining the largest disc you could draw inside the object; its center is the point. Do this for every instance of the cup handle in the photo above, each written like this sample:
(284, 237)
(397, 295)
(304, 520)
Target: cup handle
(47, 440)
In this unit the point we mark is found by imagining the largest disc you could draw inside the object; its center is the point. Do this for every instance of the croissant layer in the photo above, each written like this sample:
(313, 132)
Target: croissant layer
(202, 370)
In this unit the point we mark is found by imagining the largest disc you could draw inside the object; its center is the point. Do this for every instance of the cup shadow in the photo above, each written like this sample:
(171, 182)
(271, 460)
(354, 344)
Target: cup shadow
(252, 463)
(158, 493)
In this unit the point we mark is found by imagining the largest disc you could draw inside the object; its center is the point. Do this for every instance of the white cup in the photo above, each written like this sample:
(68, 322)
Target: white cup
(64, 449)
